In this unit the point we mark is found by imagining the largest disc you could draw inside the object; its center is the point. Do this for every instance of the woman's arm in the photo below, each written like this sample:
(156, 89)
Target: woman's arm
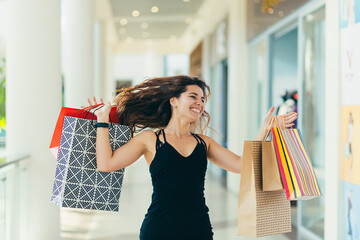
(108, 160)
(221, 156)
(232, 162)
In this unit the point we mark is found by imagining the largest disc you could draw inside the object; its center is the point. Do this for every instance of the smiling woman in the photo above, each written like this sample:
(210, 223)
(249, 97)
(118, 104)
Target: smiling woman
(176, 155)
(150, 104)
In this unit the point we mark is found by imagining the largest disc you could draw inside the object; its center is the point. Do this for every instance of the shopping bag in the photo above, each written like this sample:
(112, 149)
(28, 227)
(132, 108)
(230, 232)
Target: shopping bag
(270, 168)
(295, 166)
(78, 183)
(260, 213)
(73, 112)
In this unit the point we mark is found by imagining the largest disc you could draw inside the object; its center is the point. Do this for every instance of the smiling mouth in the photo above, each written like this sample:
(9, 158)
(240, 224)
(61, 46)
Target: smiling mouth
(195, 110)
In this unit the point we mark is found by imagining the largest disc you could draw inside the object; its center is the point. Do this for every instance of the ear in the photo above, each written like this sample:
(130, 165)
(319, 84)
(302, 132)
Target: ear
(173, 102)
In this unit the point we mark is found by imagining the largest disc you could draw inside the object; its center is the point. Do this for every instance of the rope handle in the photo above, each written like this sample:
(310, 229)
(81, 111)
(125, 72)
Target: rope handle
(92, 119)
(268, 131)
(283, 117)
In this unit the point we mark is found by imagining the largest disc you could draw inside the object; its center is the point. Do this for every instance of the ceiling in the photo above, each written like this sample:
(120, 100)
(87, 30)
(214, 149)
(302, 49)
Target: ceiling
(258, 20)
(170, 22)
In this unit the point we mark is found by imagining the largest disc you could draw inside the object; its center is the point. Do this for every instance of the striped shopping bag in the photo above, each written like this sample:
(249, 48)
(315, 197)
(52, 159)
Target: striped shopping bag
(295, 166)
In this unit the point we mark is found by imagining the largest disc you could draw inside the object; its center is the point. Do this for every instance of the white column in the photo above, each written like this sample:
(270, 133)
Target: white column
(237, 97)
(77, 51)
(33, 103)
(99, 58)
(334, 227)
(109, 73)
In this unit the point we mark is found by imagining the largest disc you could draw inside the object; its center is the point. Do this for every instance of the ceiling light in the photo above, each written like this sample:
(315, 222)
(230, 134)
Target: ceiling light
(186, 0)
(144, 25)
(188, 20)
(172, 38)
(309, 17)
(123, 21)
(129, 40)
(154, 9)
(135, 13)
(281, 13)
(122, 30)
(270, 10)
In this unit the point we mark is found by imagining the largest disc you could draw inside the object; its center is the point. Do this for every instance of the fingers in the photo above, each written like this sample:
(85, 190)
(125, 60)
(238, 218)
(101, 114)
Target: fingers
(291, 114)
(94, 99)
(96, 108)
(95, 102)
(270, 112)
(289, 125)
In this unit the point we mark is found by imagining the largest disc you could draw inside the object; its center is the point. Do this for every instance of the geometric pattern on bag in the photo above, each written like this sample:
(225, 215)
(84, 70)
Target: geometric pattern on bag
(260, 213)
(295, 165)
(78, 183)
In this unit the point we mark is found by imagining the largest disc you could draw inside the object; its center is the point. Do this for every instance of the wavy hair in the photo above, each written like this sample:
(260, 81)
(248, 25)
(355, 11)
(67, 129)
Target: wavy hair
(147, 105)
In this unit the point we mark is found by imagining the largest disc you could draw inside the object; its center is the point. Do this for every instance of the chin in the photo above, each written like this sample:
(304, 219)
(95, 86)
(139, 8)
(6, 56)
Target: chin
(194, 119)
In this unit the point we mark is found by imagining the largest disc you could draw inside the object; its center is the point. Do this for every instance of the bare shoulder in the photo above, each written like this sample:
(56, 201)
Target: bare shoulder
(207, 139)
(145, 136)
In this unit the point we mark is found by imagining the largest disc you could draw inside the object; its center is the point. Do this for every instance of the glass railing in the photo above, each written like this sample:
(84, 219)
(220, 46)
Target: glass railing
(13, 198)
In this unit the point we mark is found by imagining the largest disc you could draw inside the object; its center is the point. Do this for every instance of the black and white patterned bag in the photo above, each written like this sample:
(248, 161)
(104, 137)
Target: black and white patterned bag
(78, 183)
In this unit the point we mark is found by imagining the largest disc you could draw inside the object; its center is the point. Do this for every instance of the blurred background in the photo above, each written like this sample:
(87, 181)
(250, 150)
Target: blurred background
(296, 55)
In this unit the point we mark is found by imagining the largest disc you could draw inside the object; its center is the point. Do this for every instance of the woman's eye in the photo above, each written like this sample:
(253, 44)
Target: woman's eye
(193, 97)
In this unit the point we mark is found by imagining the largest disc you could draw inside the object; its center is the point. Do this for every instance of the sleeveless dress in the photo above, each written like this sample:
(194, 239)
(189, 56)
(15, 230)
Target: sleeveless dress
(178, 210)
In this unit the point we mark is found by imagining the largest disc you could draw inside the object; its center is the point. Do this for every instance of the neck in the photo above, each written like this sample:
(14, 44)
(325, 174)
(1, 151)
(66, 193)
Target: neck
(178, 128)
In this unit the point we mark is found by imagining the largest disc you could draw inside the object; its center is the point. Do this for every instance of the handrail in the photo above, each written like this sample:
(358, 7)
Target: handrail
(12, 160)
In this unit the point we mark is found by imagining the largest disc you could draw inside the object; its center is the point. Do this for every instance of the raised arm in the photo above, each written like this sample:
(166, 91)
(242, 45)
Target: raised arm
(221, 156)
(232, 162)
(106, 159)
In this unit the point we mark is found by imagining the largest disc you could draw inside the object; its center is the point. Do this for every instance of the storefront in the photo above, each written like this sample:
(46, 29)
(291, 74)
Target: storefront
(287, 70)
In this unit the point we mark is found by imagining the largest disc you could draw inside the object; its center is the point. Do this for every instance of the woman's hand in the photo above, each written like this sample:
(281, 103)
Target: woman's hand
(281, 121)
(102, 111)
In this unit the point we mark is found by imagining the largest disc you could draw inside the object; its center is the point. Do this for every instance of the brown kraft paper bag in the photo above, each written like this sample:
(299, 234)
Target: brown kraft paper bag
(270, 168)
(260, 213)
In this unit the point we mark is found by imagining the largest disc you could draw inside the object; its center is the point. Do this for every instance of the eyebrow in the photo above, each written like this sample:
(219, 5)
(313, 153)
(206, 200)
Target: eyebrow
(196, 94)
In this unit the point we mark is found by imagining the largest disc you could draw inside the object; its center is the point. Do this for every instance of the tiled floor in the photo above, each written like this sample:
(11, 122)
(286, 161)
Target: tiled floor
(134, 201)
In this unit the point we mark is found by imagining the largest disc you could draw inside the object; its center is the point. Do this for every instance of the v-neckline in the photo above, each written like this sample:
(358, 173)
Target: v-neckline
(179, 152)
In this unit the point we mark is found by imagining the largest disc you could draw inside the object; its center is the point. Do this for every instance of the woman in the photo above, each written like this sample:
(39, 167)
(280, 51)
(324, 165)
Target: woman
(177, 157)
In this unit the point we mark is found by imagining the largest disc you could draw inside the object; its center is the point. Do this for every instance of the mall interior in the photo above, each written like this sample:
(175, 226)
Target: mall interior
(296, 55)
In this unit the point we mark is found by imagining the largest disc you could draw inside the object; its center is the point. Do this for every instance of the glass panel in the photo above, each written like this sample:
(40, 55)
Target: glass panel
(313, 105)
(284, 71)
(218, 108)
(257, 84)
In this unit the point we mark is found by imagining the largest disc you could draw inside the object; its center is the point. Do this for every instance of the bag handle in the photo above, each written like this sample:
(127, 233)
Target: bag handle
(92, 119)
(268, 131)
(283, 117)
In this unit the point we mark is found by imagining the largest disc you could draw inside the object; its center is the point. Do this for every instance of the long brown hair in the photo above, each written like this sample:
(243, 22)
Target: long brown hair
(147, 105)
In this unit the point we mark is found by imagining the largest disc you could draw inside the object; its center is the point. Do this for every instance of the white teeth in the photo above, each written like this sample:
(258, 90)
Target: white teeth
(195, 110)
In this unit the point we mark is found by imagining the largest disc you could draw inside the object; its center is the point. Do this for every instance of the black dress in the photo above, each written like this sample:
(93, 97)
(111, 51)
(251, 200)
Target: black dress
(178, 209)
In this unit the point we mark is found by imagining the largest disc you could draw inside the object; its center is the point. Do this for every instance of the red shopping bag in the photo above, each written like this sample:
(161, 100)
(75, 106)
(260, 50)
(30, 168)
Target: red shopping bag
(73, 112)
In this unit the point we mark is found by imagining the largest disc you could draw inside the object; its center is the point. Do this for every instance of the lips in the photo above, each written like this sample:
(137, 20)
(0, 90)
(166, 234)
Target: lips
(196, 110)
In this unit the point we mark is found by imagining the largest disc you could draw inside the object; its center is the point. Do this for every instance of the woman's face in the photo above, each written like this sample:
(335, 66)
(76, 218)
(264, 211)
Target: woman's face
(190, 104)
